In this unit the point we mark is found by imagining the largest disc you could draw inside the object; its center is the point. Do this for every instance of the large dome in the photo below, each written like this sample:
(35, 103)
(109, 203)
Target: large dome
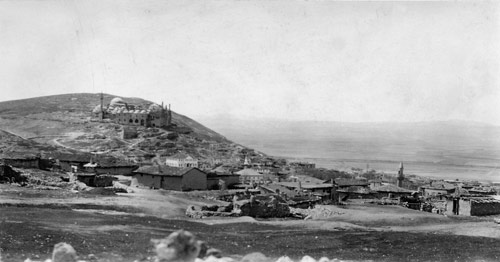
(154, 107)
(116, 101)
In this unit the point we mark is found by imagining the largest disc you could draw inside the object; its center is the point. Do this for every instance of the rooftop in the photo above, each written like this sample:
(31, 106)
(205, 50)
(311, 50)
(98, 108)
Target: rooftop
(392, 188)
(351, 182)
(164, 170)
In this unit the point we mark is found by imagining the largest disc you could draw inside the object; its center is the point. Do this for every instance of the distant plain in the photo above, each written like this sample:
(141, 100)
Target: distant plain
(444, 150)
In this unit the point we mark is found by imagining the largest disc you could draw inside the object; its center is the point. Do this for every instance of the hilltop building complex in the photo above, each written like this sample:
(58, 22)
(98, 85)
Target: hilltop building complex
(123, 113)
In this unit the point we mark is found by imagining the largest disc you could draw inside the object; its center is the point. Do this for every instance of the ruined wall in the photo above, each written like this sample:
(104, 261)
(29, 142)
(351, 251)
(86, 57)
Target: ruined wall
(104, 181)
(484, 207)
(7, 174)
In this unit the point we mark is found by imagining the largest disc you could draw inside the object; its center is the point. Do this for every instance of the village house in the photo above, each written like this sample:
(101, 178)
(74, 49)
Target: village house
(278, 188)
(115, 169)
(21, 160)
(304, 165)
(473, 206)
(68, 162)
(222, 177)
(181, 160)
(391, 191)
(170, 178)
(302, 195)
(346, 184)
(222, 180)
(322, 189)
(375, 183)
(250, 176)
(437, 189)
(353, 188)
(307, 179)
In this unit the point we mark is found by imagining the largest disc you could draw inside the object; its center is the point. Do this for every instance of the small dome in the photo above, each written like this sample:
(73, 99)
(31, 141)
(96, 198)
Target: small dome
(96, 109)
(116, 101)
(143, 111)
(154, 107)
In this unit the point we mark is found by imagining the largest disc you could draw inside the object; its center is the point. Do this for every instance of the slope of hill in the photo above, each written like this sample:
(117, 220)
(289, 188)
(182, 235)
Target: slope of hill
(80, 105)
(64, 121)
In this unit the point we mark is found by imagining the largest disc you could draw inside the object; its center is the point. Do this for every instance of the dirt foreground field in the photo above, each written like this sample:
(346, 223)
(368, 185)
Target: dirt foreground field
(119, 228)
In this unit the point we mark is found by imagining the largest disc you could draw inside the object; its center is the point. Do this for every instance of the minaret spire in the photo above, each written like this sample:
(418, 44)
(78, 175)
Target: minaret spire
(101, 115)
(401, 175)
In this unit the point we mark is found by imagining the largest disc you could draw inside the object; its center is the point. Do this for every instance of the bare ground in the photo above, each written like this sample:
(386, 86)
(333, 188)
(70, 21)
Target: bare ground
(119, 228)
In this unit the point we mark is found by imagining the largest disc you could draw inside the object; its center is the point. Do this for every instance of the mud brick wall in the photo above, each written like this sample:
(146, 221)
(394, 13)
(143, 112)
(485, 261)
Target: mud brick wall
(484, 207)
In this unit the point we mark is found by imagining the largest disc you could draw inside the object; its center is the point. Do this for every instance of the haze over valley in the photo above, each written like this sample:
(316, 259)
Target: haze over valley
(447, 149)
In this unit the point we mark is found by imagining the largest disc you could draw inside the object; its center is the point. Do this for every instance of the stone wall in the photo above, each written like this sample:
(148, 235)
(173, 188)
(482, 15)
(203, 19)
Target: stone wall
(8, 175)
(484, 207)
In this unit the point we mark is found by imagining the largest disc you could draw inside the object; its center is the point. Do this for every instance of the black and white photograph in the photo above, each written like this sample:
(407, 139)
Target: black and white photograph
(249, 130)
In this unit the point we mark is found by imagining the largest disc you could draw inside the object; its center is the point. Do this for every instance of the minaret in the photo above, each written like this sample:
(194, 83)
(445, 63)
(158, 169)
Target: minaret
(101, 114)
(246, 163)
(401, 176)
(162, 115)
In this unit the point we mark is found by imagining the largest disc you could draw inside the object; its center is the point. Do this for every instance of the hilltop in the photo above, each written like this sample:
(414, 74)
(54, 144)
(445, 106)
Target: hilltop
(64, 123)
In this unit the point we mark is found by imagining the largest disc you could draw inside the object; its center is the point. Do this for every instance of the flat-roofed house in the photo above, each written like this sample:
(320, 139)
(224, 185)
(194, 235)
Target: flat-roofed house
(250, 176)
(170, 178)
(391, 191)
(437, 188)
(220, 178)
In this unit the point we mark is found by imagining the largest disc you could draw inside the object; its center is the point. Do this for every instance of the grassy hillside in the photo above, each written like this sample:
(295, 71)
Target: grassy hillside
(74, 107)
(64, 122)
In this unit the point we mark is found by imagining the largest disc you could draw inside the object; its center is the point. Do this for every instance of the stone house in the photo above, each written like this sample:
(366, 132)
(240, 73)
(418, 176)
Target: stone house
(391, 191)
(66, 161)
(181, 160)
(250, 176)
(170, 178)
(115, 168)
(437, 189)
(473, 206)
(21, 160)
(216, 179)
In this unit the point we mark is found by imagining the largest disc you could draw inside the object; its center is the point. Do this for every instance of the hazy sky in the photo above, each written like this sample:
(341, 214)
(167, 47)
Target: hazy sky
(317, 60)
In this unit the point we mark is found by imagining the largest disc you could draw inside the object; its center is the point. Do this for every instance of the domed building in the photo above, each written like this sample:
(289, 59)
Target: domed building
(120, 112)
(117, 102)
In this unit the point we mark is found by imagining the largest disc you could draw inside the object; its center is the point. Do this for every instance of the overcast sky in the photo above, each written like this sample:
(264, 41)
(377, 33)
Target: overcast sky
(304, 60)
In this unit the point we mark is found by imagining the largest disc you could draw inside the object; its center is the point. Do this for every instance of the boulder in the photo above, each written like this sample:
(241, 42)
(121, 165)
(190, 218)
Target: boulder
(180, 246)
(63, 252)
